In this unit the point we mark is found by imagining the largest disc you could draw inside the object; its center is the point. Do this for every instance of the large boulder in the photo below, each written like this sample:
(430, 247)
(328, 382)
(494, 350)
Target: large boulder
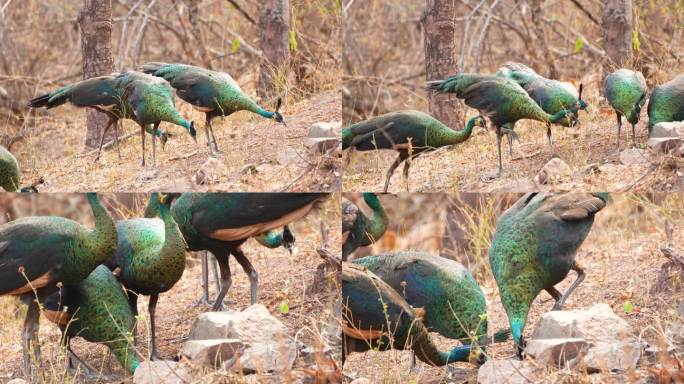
(212, 353)
(556, 352)
(612, 345)
(268, 347)
(161, 372)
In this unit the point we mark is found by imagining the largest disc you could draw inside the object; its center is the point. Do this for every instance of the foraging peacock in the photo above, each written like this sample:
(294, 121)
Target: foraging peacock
(151, 256)
(214, 93)
(38, 254)
(130, 95)
(357, 229)
(221, 222)
(534, 248)
(666, 103)
(410, 133)
(626, 92)
(269, 239)
(97, 310)
(9, 171)
(502, 100)
(376, 317)
(449, 296)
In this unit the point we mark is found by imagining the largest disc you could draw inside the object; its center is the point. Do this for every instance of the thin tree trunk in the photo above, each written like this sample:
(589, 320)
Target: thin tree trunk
(194, 18)
(618, 24)
(538, 25)
(96, 49)
(275, 44)
(440, 47)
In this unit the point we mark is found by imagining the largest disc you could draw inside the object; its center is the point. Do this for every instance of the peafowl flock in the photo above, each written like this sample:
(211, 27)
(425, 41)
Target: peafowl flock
(221, 222)
(129, 95)
(534, 249)
(39, 254)
(451, 300)
(269, 239)
(666, 103)
(151, 256)
(97, 310)
(214, 93)
(410, 133)
(359, 230)
(626, 92)
(375, 316)
(503, 100)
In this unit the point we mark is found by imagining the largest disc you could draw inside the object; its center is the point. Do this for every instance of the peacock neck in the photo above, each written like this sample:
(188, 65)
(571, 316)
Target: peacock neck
(270, 239)
(456, 137)
(558, 116)
(378, 222)
(264, 113)
(172, 235)
(460, 353)
(517, 326)
(104, 235)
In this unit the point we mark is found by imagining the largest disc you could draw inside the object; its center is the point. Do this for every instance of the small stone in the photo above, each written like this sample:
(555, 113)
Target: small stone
(212, 353)
(554, 171)
(556, 351)
(633, 156)
(668, 129)
(505, 372)
(664, 145)
(322, 137)
(161, 372)
(361, 380)
(17, 381)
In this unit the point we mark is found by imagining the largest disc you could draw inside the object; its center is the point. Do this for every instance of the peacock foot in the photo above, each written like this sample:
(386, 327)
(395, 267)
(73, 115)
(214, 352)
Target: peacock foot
(149, 174)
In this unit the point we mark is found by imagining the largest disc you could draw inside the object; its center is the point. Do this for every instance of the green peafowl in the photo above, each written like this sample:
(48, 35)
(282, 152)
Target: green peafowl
(410, 133)
(357, 229)
(626, 92)
(151, 257)
(145, 99)
(97, 310)
(376, 317)
(221, 222)
(10, 174)
(534, 248)
(269, 239)
(502, 100)
(38, 254)
(666, 103)
(214, 93)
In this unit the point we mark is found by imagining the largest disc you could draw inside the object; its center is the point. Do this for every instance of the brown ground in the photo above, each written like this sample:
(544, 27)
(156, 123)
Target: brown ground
(622, 260)
(461, 167)
(283, 278)
(254, 154)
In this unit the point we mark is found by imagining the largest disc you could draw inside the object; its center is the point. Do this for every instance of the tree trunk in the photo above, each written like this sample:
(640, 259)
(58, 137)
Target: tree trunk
(538, 23)
(618, 24)
(96, 49)
(275, 44)
(440, 46)
(194, 19)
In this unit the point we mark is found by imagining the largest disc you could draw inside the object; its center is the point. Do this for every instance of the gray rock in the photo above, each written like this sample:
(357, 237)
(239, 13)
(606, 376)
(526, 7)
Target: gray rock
(664, 144)
(554, 171)
(505, 372)
(668, 129)
(161, 372)
(322, 137)
(613, 344)
(633, 156)
(556, 351)
(212, 353)
(268, 347)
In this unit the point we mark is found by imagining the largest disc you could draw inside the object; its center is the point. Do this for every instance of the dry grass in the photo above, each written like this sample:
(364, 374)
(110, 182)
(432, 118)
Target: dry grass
(283, 278)
(622, 259)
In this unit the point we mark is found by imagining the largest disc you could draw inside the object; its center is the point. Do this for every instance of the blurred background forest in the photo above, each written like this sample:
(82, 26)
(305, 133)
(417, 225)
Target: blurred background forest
(384, 45)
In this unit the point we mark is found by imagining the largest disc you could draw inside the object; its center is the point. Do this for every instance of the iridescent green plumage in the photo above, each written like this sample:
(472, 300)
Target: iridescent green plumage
(534, 248)
(97, 310)
(359, 230)
(214, 93)
(626, 92)
(376, 316)
(151, 256)
(666, 103)
(9, 171)
(410, 133)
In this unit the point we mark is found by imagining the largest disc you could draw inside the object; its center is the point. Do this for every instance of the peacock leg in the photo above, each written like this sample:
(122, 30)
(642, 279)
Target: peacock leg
(72, 356)
(406, 174)
(554, 293)
(619, 122)
(390, 171)
(116, 137)
(580, 277)
(206, 133)
(213, 138)
(133, 303)
(226, 281)
(142, 133)
(204, 300)
(152, 307)
(29, 334)
(102, 137)
(154, 145)
(549, 139)
(250, 271)
(489, 177)
(214, 271)
(633, 135)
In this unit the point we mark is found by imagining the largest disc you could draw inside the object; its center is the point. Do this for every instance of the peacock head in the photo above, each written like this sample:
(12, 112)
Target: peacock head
(164, 137)
(480, 121)
(581, 104)
(639, 104)
(276, 115)
(193, 131)
(288, 239)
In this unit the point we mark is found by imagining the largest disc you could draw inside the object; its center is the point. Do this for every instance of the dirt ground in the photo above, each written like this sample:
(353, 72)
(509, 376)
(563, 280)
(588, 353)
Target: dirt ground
(257, 154)
(622, 259)
(283, 278)
(462, 167)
